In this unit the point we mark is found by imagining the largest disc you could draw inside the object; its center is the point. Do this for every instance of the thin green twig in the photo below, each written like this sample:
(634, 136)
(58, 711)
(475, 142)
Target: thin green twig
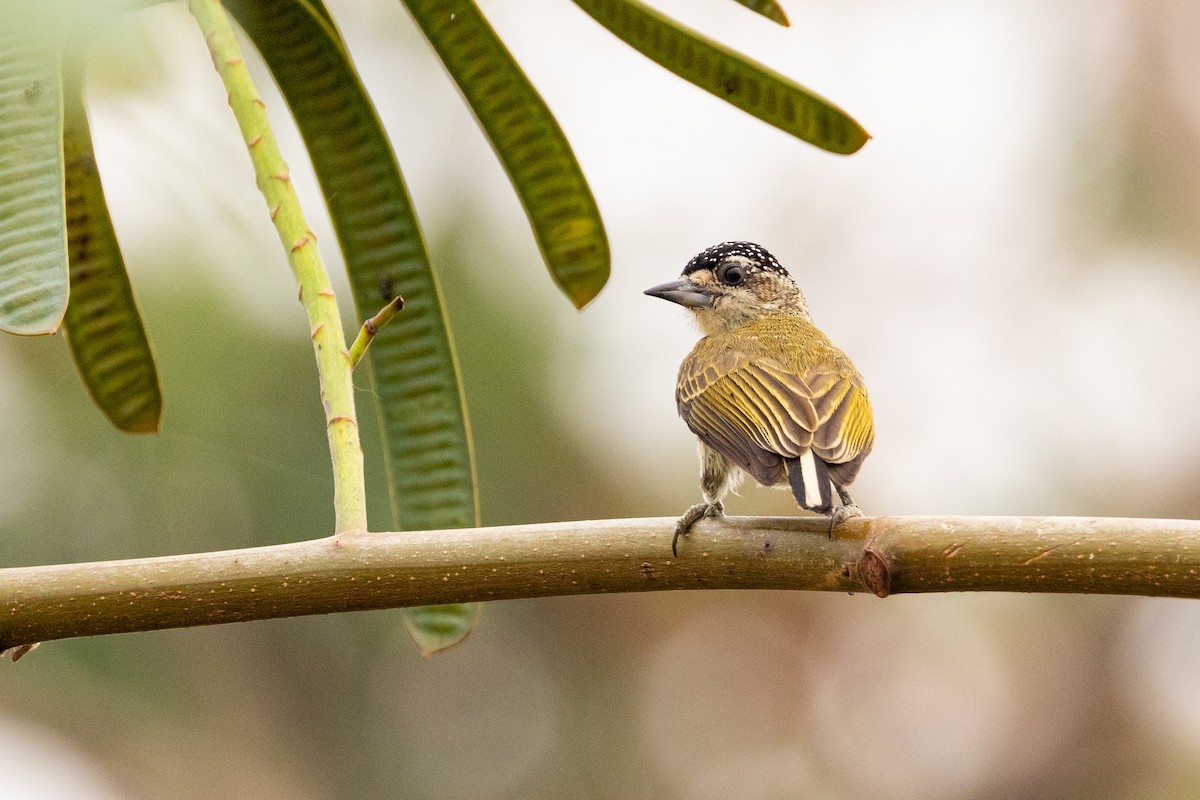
(316, 292)
(371, 327)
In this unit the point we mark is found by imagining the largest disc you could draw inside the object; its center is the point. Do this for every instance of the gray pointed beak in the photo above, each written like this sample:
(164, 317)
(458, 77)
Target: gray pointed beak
(682, 291)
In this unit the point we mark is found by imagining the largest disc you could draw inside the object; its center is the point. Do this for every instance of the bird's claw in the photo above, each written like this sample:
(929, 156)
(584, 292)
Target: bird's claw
(841, 514)
(690, 517)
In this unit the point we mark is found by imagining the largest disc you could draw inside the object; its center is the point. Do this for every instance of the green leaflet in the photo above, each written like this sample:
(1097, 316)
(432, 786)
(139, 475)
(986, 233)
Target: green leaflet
(768, 8)
(438, 628)
(427, 448)
(103, 326)
(746, 84)
(33, 241)
(528, 141)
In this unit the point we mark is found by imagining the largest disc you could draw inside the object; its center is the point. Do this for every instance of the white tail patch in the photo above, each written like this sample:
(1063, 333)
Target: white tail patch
(812, 484)
(809, 477)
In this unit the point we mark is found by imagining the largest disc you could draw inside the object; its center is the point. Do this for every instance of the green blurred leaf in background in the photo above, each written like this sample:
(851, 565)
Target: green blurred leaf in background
(33, 245)
(528, 141)
(102, 322)
(739, 81)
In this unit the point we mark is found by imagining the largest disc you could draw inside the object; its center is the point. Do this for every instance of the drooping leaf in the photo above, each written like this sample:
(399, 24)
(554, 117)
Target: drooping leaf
(768, 8)
(438, 628)
(104, 328)
(427, 441)
(33, 241)
(746, 84)
(528, 141)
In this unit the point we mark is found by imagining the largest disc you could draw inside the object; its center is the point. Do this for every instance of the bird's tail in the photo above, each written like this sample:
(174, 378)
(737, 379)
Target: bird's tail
(809, 477)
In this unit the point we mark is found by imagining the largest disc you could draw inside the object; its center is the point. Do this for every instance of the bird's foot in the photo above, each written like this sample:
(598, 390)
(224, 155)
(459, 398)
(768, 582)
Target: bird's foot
(841, 514)
(690, 517)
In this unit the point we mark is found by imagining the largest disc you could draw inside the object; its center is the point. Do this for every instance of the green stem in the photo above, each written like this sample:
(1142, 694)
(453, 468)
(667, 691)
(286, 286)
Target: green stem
(371, 327)
(357, 571)
(316, 292)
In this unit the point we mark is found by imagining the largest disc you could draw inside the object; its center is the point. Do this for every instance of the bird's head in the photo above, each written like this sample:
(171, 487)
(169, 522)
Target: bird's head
(732, 284)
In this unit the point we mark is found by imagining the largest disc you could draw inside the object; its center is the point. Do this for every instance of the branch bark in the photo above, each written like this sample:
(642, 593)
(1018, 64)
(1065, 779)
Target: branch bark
(357, 571)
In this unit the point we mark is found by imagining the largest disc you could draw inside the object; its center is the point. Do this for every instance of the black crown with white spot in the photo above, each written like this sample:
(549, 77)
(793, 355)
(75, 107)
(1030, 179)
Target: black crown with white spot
(719, 253)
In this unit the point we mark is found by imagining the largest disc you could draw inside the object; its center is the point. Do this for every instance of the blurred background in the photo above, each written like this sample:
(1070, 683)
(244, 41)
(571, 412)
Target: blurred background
(1013, 263)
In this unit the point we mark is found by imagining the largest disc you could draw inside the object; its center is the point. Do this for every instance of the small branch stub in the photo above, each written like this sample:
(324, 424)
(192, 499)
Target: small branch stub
(371, 327)
(874, 571)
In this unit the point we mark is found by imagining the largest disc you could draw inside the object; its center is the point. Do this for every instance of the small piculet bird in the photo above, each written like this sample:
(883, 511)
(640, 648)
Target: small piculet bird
(765, 391)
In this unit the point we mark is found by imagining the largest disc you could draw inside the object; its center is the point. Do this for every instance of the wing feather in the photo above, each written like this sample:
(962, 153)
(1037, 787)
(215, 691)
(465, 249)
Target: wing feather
(757, 411)
(771, 423)
(728, 435)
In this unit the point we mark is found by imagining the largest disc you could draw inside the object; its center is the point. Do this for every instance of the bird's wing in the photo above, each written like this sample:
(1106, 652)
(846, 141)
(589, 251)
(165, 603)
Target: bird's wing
(844, 429)
(755, 412)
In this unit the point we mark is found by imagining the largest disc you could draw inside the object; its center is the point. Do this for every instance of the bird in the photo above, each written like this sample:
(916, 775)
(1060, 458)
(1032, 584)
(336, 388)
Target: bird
(765, 391)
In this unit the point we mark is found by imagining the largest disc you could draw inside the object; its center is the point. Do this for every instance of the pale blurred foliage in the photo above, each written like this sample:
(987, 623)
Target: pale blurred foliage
(1012, 263)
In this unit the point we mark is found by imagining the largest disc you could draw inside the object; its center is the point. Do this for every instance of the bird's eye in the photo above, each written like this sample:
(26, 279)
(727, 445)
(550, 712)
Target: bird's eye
(731, 274)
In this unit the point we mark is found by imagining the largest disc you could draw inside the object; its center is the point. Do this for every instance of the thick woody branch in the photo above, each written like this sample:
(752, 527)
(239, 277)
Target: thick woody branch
(356, 571)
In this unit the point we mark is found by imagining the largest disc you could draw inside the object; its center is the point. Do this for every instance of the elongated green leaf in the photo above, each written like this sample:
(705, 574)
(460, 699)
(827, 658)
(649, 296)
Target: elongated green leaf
(528, 140)
(33, 240)
(104, 328)
(427, 448)
(768, 8)
(746, 84)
